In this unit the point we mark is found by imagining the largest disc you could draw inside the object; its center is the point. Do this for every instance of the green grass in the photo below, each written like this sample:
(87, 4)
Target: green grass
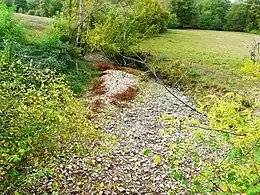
(42, 48)
(210, 59)
(34, 22)
(35, 25)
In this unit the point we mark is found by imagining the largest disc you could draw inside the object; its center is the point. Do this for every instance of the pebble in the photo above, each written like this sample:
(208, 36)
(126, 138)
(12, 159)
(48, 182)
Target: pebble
(138, 127)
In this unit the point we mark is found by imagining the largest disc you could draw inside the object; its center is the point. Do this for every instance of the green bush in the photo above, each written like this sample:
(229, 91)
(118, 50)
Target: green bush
(117, 35)
(65, 29)
(38, 116)
(173, 21)
(251, 69)
(38, 13)
(48, 52)
(9, 29)
(124, 27)
(31, 12)
(150, 17)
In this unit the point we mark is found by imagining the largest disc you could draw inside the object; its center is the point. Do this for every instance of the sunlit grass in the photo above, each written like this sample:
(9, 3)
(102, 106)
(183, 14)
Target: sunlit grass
(212, 59)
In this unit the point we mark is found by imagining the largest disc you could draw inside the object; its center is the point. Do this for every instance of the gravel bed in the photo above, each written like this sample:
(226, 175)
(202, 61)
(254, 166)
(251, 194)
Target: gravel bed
(126, 169)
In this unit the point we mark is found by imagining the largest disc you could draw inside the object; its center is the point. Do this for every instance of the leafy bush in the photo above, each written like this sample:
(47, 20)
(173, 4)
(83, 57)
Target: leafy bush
(173, 21)
(48, 52)
(150, 17)
(233, 127)
(118, 35)
(38, 116)
(9, 29)
(65, 29)
(31, 12)
(251, 69)
(38, 13)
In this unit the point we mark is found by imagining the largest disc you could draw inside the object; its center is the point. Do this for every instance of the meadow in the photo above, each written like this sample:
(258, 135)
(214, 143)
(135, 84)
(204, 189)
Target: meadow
(208, 59)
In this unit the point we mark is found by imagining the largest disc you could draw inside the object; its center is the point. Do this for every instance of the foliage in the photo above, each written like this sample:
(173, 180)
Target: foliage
(201, 60)
(48, 8)
(39, 116)
(150, 17)
(237, 17)
(251, 69)
(213, 14)
(48, 52)
(45, 8)
(20, 4)
(217, 14)
(173, 21)
(37, 12)
(185, 11)
(116, 36)
(233, 126)
(114, 28)
(9, 29)
(31, 12)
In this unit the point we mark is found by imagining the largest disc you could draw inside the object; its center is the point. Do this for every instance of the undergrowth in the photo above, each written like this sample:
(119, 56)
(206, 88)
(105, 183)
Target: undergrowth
(233, 126)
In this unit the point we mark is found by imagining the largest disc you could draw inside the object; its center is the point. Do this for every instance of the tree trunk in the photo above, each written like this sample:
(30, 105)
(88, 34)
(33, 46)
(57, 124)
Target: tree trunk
(80, 20)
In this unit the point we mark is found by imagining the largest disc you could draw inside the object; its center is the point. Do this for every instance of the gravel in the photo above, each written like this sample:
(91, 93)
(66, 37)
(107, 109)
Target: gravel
(126, 169)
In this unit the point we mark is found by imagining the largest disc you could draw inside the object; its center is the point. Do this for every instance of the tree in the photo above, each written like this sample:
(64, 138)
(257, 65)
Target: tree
(185, 11)
(20, 4)
(237, 17)
(45, 8)
(8, 2)
(33, 4)
(254, 14)
(56, 6)
(213, 13)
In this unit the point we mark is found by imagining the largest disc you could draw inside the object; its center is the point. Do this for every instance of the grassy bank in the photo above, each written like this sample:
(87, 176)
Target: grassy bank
(205, 59)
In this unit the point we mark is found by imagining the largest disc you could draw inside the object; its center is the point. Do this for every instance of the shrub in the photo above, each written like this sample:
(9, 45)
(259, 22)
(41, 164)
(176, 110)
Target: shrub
(20, 10)
(38, 13)
(252, 69)
(65, 29)
(50, 53)
(31, 12)
(150, 17)
(9, 29)
(117, 36)
(232, 126)
(38, 117)
(173, 21)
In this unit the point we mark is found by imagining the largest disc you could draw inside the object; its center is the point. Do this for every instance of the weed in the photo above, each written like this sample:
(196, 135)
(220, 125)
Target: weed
(97, 105)
(97, 84)
(105, 66)
(129, 94)
(99, 91)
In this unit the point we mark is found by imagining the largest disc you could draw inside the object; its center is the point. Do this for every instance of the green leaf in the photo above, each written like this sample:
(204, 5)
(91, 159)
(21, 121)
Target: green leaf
(178, 176)
(196, 182)
(157, 159)
(147, 152)
(185, 182)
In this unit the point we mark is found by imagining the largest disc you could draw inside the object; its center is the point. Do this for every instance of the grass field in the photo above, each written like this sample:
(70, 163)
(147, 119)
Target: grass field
(210, 59)
(34, 24)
